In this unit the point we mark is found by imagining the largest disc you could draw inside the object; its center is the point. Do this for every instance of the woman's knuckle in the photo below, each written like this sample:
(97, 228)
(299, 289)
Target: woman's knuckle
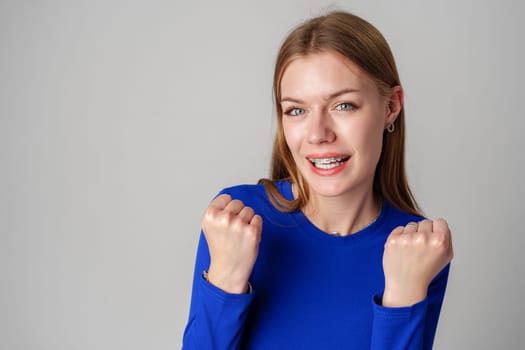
(419, 238)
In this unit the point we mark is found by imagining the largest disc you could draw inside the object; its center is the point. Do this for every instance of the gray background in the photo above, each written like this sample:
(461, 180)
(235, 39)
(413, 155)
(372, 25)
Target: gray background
(120, 120)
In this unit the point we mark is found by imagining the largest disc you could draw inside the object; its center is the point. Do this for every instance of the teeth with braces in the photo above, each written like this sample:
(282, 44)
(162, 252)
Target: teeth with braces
(328, 163)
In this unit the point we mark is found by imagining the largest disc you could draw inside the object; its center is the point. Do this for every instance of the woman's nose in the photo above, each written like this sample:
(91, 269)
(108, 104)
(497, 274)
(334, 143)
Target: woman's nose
(320, 129)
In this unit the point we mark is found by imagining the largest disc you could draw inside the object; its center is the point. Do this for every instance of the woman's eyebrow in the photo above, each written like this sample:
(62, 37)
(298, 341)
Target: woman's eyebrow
(329, 97)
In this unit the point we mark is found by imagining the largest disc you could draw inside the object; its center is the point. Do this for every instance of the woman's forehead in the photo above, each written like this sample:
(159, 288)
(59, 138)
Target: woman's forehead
(323, 74)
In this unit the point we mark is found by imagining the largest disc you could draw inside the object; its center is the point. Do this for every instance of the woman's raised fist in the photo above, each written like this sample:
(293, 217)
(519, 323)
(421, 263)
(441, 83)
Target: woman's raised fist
(233, 233)
(413, 256)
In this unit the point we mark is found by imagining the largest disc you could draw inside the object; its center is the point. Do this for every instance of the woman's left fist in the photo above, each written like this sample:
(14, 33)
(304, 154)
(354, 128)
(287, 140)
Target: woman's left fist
(413, 256)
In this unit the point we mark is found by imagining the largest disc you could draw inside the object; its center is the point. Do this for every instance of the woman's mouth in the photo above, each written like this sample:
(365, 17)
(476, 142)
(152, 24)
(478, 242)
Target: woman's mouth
(329, 162)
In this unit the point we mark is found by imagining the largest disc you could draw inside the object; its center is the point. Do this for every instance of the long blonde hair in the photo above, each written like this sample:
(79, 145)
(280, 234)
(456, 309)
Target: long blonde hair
(363, 44)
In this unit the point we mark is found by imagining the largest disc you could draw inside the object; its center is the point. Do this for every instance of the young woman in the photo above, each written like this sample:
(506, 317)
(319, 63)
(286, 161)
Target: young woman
(332, 252)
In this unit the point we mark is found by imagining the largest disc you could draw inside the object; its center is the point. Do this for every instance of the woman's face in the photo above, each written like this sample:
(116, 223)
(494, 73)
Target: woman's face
(333, 121)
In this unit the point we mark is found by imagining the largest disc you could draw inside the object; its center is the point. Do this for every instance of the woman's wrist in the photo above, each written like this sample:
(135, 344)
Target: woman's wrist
(403, 297)
(239, 288)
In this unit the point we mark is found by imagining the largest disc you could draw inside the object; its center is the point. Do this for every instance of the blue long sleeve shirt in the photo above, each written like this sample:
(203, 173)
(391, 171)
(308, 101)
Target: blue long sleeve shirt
(311, 290)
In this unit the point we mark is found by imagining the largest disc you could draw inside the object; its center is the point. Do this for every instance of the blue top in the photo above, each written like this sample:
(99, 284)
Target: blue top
(311, 290)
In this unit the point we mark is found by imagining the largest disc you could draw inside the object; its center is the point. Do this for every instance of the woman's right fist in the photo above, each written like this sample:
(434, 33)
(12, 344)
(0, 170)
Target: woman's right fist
(233, 233)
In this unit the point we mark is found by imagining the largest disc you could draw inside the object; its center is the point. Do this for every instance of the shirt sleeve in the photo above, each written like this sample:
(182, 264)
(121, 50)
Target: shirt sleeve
(217, 318)
(412, 327)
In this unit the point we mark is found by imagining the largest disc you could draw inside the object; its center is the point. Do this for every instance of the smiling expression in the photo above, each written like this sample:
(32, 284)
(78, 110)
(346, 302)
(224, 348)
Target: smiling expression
(333, 122)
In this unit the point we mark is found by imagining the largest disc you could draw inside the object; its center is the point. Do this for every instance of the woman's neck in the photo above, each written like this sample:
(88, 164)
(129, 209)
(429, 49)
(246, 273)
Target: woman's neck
(343, 215)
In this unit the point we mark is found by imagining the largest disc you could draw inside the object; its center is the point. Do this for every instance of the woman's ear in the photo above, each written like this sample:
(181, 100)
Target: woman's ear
(395, 104)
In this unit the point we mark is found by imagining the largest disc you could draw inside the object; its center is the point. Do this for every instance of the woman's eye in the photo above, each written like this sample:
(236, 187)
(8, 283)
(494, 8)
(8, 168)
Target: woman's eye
(295, 111)
(344, 106)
